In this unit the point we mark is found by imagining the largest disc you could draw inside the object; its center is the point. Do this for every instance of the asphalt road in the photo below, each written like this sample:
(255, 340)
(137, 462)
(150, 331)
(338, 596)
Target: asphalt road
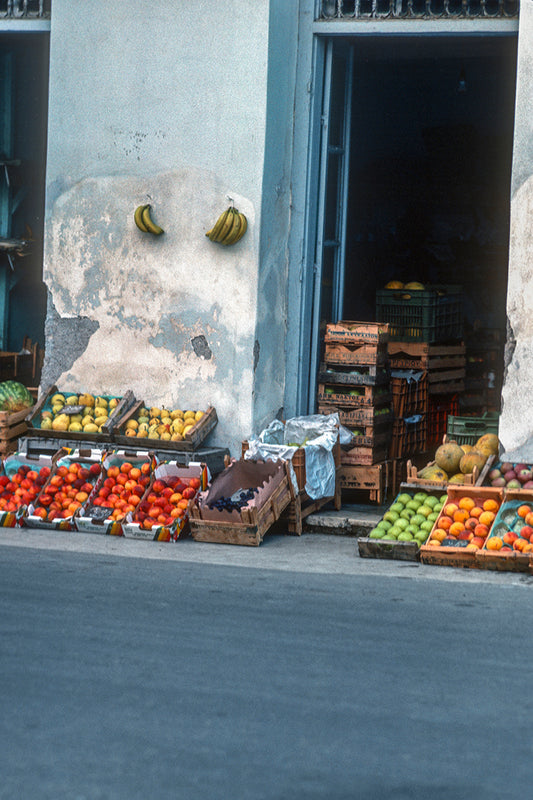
(293, 670)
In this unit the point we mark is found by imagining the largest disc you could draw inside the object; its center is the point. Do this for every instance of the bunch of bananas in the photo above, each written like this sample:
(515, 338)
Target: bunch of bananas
(229, 227)
(144, 221)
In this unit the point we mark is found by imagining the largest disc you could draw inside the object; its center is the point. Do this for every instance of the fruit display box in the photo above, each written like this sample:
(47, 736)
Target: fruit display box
(413, 478)
(67, 490)
(462, 527)
(355, 397)
(266, 490)
(509, 476)
(163, 513)
(355, 455)
(433, 314)
(74, 413)
(21, 479)
(509, 545)
(404, 527)
(127, 430)
(350, 332)
(122, 482)
(369, 418)
(13, 425)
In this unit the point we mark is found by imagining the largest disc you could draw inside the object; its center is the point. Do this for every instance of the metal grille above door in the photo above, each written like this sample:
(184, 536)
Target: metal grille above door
(417, 9)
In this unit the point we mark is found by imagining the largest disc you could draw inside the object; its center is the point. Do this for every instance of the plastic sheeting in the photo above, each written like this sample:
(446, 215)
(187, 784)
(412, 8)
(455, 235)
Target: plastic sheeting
(317, 434)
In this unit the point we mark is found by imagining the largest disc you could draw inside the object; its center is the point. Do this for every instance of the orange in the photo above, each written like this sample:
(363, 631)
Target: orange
(467, 503)
(460, 515)
(490, 505)
(487, 517)
(494, 543)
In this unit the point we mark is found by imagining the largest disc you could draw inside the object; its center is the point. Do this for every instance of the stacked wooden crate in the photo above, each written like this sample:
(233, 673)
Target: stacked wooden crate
(354, 382)
(443, 368)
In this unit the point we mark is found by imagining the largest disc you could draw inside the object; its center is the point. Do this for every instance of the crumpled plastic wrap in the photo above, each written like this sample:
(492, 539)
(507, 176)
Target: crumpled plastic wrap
(317, 434)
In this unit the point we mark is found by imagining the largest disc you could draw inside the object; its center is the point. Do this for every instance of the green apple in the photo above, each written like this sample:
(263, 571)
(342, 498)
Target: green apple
(414, 504)
(418, 519)
(396, 507)
(426, 526)
(384, 524)
(431, 501)
(391, 516)
(405, 537)
(401, 523)
(377, 533)
(420, 496)
(407, 513)
(443, 499)
(425, 511)
(403, 498)
(433, 516)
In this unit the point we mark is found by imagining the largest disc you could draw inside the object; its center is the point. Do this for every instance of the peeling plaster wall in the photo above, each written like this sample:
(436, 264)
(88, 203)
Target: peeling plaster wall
(164, 103)
(516, 422)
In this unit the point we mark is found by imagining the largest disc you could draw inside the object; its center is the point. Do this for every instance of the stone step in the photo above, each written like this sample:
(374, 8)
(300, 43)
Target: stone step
(351, 520)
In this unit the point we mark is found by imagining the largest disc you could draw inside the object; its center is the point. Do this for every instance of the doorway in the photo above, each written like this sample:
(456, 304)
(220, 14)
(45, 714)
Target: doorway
(415, 173)
(24, 62)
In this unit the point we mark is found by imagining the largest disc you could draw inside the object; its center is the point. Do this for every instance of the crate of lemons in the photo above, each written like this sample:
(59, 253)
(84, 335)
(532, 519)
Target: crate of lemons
(175, 427)
(75, 415)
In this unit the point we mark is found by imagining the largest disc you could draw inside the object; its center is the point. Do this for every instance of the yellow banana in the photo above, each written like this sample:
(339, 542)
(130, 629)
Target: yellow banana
(139, 220)
(234, 231)
(243, 228)
(219, 224)
(228, 224)
(148, 222)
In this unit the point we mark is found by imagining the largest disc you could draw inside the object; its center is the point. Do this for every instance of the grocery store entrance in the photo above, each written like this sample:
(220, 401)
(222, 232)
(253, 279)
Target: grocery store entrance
(414, 179)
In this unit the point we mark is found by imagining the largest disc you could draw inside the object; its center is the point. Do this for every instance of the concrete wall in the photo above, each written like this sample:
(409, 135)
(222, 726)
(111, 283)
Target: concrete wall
(166, 103)
(516, 422)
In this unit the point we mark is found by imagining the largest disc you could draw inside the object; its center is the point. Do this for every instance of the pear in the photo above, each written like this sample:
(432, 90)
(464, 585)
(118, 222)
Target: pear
(72, 400)
(60, 423)
(75, 426)
(131, 432)
(86, 400)
(199, 415)
(99, 421)
(100, 401)
(90, 428)
(58, 398)
(100, 411)
(176, 437)
(113, 403)
(46, 424)
(155, 412)
(57, 408)
(177, 413)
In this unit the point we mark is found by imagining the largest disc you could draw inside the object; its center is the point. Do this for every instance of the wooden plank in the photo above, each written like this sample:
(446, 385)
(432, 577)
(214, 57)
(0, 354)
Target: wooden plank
(353, 332)
(450, 387)
(366, 354)
(419, 349)
(368, 396)
(397, 551)
(369, 376)
(446, 375)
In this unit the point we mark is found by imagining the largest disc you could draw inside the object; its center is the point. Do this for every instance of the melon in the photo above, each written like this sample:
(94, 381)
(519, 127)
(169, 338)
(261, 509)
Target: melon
(448, 457)
(488, 444)
(471, 460)
(14, 396)
(467, 448)
(394, 285)
(433, 473)
(414, 286)
(459, 478)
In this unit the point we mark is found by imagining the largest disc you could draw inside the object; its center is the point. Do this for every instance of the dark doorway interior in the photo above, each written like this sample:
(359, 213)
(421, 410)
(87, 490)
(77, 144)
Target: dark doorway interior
(24, 145)
(430, 167)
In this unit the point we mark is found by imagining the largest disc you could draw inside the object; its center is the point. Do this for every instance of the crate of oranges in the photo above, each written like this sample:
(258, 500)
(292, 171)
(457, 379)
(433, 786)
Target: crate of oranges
(509, 546)
(462, 527)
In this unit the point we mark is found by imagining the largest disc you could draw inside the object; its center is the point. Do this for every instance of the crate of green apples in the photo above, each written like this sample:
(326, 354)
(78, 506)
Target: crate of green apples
(405, 525)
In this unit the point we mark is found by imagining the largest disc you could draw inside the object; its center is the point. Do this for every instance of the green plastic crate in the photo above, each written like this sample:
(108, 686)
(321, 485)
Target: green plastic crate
(434, 314)
(467, 430)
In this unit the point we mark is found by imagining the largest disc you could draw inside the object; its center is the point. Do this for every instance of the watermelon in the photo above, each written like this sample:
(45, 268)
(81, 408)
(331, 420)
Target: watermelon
(14, 396)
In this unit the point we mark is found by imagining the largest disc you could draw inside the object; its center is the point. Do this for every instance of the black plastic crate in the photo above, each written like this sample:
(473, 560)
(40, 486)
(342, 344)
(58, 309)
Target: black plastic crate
(434, 314)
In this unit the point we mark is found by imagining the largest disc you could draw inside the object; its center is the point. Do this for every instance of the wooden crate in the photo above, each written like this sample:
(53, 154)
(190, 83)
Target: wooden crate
(191, 441)
(392, 549)
(34, 417)
(365, 417)
(408, 438)
(302, 506)
(373, 480)
(375, 396)
(425, 356)
(365, 375)
(409, 396)
(254, 522)
(355, 456)
(447, 387)
(357, 354)
(12, 426)
(455, 555)
(370, 437)
(357, 333)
